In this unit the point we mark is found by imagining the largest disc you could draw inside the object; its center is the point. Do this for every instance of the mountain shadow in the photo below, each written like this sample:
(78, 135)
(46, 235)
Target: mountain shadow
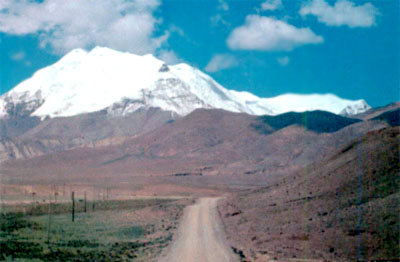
(317, 121)
(391, 117)
(16, 125)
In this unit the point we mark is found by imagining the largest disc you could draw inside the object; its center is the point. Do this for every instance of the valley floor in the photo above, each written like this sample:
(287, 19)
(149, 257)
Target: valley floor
(110, 230)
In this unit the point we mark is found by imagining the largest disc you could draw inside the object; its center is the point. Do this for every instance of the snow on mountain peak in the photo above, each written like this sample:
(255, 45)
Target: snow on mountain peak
(121, 83)
(309, 102)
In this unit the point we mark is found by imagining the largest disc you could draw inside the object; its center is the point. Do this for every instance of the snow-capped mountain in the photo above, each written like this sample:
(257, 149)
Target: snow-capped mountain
(121, 83)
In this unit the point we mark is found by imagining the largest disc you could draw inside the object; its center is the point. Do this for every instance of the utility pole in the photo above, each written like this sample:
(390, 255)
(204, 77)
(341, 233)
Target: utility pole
(73, 206)
(49, 221)
(85, 202)
(108, 189)
(94, 198)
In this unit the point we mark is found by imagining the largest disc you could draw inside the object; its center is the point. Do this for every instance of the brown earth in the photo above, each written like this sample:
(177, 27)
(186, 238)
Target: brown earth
(204, 143)
(200, 237)
(27, 137)
(344, 208)
(294, 193)
(374, 112)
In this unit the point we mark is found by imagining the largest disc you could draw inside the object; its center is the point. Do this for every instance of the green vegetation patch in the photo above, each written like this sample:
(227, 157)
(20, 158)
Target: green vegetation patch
(133, 231)
(111, 232)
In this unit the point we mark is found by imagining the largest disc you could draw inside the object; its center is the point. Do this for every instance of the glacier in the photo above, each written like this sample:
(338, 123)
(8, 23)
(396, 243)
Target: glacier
(121, 83)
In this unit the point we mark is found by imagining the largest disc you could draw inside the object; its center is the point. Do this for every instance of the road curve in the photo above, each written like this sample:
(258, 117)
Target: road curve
(200, 236)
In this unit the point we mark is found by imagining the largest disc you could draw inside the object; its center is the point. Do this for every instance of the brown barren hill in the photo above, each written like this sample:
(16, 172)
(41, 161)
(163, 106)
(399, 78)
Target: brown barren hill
(345, 208)
(206, 142)
(28, 137)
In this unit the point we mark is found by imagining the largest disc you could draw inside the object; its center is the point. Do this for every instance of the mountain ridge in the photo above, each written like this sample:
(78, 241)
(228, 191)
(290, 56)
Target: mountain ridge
(121, 83)
(225, 141)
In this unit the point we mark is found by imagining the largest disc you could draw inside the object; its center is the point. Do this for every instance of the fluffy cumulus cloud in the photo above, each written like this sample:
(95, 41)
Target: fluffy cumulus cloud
(271, 5)
(269, 34)
(64, 25)
(343, 12)
(221, 61)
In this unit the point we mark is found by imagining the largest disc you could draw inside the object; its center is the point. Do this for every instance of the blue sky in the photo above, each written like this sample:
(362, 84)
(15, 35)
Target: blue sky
(268, 47)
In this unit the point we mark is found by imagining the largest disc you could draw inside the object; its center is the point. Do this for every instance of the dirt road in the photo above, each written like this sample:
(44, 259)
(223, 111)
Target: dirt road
(200, 237)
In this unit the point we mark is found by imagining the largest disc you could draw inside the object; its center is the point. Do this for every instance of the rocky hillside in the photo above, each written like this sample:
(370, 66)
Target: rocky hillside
(344, 208)
(27, 137)
(206, 142)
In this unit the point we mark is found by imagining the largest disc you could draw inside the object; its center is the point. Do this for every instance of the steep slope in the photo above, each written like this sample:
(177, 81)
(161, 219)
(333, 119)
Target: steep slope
(344, 208)
(226, 141)
(12, 127)
(374, 112)
(52, 135)
(391, 117)
(121, 83)
(206, 142)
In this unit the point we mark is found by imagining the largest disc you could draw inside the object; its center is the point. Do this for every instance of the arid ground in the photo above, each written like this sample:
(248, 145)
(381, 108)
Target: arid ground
(264, 190)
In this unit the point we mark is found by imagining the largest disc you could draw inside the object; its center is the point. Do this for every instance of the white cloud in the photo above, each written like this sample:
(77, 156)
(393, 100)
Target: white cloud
(176, 29)
(271, 5)
(21, 58)
(218, 20)
(18, 56)
(344, 12)
(169, 57)
(223, 5)
(269, 34)
(64, 25)
(283, 61)
(221, 61)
